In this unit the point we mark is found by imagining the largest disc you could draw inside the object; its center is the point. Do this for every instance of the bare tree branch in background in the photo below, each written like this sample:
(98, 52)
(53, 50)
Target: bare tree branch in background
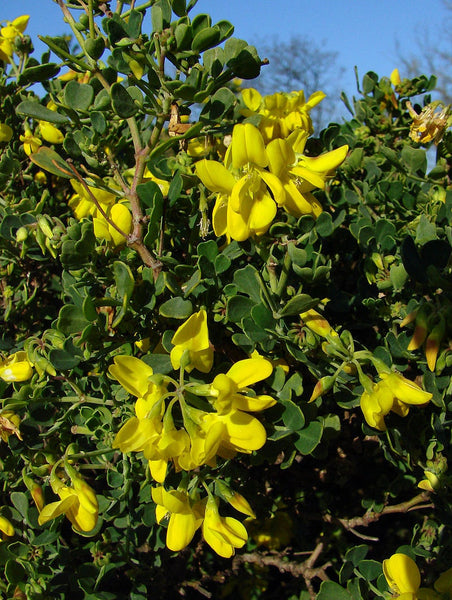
(434, 56)
(301, 64)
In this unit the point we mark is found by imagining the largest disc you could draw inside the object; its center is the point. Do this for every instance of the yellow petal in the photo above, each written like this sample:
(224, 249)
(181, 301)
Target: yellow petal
(215, 176)
(402, 573)
(6, 527)
(181, 529)
(132, 373)
(252, 99)
(247, 146)
(249, 371)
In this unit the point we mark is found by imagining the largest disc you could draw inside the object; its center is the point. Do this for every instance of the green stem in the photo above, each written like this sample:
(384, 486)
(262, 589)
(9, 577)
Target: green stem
(71, 21)
(90, 454)
(69, 57)
(284, 274)
(91, 18)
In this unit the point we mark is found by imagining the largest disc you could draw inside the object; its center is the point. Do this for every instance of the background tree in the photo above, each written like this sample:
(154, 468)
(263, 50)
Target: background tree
(434, 56)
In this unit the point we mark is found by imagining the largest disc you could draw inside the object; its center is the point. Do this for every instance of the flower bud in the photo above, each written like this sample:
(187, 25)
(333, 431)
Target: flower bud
(433, 343)
(21, 234)
(321, 387)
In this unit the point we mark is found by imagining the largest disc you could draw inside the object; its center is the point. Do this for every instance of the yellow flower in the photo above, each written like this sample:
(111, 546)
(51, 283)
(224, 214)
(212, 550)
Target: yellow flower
(6, 526)
(300, 174)
(185, 516)
(31, 142)
(402, 575)
(392, 393)
(430, 124)
(15, 28)
(281, 113)
(193, 337)
(223, 534)
(247, 192)
(6, 50)
(120, 215)
(6, 133)
(241, 432)
(226, 388)
(50, 133)
(9, 424)
(395, 77)
(9, 33)
(78, 502)
(82, 203)
(16, 367)
(117, 212)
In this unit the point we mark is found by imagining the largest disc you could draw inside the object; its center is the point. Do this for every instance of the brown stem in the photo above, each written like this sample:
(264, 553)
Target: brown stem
(417, 503)
(305, 569)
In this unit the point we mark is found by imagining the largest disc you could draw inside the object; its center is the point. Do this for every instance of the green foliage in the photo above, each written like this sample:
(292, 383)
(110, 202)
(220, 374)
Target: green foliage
(112, 240)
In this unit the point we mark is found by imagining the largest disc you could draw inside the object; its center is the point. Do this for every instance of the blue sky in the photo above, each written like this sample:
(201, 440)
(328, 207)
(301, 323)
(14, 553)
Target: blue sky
(363, 32)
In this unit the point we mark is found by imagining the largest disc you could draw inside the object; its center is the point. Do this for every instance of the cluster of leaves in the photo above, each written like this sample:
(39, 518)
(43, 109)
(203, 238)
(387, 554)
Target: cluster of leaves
(336, 300)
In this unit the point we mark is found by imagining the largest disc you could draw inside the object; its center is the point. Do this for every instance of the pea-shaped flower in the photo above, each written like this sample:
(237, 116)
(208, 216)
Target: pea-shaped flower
(193, 337)
(393, 393)
(281, 113)
(185, 516)
(247, 193)
(223, 534)
(402, 575)
(227, 389)
(78, 502)
(16, 367)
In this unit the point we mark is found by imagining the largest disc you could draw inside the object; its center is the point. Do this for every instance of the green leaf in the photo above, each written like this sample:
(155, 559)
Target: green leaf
(160, 363)
(247, 282)
(324, 224)
(371, 569)
(63, 360)
(329, 590)
(176, 308)
(78, 96)
(179, 7)
(125, 285)
(219, 104)
(292, 416)
(71, 319)
(38, 73)
(122, 102)
(34, 110)
(50, 161)
(298, 304)
(160, 15)
(309, 438)
(206, 38)
(20, 502)
(414, 158)
(238, 308)
(175, 188)
(15, 572)
(425, 231)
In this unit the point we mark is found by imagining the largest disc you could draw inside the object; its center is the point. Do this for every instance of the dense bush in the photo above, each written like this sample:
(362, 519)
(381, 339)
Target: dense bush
(226, 366)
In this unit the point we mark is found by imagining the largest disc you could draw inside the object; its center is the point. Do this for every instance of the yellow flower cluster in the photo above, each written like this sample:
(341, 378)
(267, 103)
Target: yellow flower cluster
(169, 430)
(8, 33)
(404, 580)
(188, 513)
(223, 431)
(266, 168)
